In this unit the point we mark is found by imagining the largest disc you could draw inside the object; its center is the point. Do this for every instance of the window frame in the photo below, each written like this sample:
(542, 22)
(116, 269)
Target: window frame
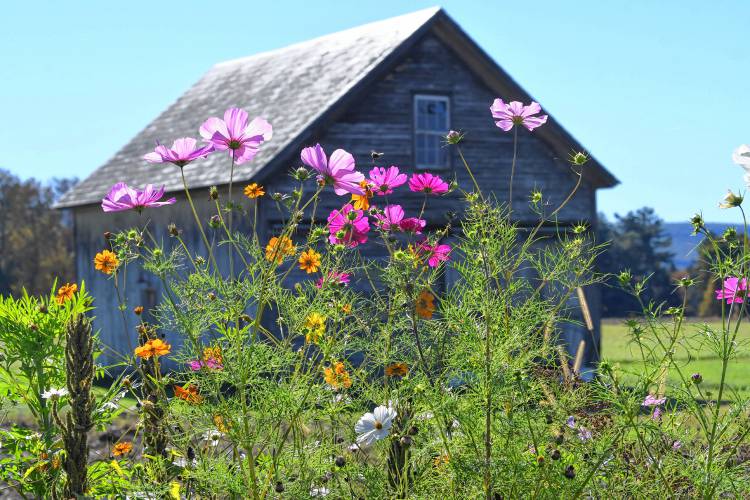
(416, 131)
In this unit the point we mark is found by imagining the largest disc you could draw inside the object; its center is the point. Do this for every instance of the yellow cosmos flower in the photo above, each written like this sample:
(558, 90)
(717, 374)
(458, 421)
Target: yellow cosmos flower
(396, 370)
(337, 377)
(309, 261)
(315, 324)
(362, 201)
(278, 248)
(254, 190)
(106, 262)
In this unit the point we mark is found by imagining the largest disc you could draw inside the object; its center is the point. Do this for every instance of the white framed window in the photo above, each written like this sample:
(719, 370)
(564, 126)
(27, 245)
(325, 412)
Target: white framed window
(431, 124)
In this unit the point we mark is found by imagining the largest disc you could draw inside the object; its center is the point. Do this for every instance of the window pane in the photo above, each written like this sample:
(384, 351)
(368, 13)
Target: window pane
(431, 123)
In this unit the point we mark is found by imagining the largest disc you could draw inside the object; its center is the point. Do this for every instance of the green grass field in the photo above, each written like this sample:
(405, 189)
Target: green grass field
(618, 348)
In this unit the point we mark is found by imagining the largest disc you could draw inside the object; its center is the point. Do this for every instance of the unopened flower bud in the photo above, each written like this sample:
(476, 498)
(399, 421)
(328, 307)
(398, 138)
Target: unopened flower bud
(277, 196)
(211, 296)
(126, 382)
(406, 441)
(279, 487)
(33, 327)
(697, 223)
(579, 158)
(43, 308)
(375, 155)
(340, 234)
(555, 455)
(157, 252)
(213, 193)
(352, 215)
(625, 278)
(301, 174)
(536, 197)
(172, 229)
(730, 234)
(340, 461)
(454, 137)
(413, 430)
(138, 310)
(697, 378)
(200, 261)
(107, 235)
(215, 221)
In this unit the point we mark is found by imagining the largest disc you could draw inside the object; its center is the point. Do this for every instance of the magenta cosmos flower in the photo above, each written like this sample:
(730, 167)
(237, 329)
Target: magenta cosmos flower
(236, 135)
(435, 254)
(428, 183)
(338, 171)
(348, 226)
(122, 197)
(335, 278)
(516, 113)
(392, 218)
(384, 181)
(183, 151)
(734, 290)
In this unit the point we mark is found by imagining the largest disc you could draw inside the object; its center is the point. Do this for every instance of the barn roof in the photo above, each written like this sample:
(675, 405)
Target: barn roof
(298, 89)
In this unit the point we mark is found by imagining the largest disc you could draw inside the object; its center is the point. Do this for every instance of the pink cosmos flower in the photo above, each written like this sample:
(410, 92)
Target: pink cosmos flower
(183, 151)
(122, 197)
(413, 225)
(734, 290)
(335, 278)
(384, 181)
(435, 254)
(428, 183)
(236, 135)
(390, 218)
(337, 171)
(348, 226)
(516, 113)
(211, 363)
(652, 400)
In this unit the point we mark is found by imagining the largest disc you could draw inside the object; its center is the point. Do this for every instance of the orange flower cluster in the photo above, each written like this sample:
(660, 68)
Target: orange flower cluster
(425, 305)
(397, 370)
(337, 377)
(189, 394)
(254, 190)
(214, 354)
(122, 448)
(106, 262)
(155, 347)
(65, 293)
(278, 248)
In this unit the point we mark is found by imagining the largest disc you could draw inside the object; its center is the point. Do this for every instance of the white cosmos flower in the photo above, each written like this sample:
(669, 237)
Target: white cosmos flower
(55, 393)
(374, 426)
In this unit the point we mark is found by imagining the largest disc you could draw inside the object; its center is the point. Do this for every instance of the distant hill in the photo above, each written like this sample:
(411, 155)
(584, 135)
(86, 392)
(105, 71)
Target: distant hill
(683, 244)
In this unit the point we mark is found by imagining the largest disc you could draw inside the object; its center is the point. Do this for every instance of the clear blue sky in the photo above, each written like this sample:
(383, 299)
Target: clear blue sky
(658, 91)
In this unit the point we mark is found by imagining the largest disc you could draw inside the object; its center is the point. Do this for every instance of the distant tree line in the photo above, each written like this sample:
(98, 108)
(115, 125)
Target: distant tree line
(36, 241)
(639, 244)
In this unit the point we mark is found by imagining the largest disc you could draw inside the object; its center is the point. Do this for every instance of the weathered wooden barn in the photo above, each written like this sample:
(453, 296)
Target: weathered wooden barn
(394, 86)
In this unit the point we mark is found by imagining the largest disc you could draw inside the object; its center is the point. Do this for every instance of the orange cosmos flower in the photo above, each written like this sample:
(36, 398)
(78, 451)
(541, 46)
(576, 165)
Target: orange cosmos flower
(362, 201)
(279, 248)
(337, 377)
(309, 261)
(397, 370)
(155, 347)
(254, 190)
(189, 394)
(106, 262)
(121, 449)
(346, 308)
(66, 292)
(425, 305)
